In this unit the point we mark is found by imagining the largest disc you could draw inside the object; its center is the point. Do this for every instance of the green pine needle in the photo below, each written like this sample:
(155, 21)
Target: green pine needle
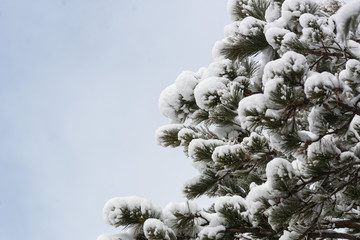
(244, 46)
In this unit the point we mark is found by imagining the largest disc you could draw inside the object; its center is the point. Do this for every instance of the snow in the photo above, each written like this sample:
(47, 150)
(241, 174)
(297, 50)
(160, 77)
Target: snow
(226, 150)
(153, 226)
(354, 48)
(204, 145)
(279, 23)
(298, 166)
(207, 88)
(275, 35)
(232, 87)
(314, 119)
(249, 141)
(315, 27)
(106, 237)
(255, 101)
(235, 202)
(113, 209)
(270, 87)
(276, 141)
(206, 92)
(355, 123)
(278, 167)
(200, 73)
(233, 136)
(327, 27)
(231, 29)
(119, 236)
(290, 62)
(254, 200)
(330, 6)
(218, 46)
(354, 66)
(185, 208)
(185, 84)
(169, 103)
(231, 4)
(287, 39)
(229, 133)
(293, 62)
(309, 35)
(352, 71)
(266, 57)
(294, 8)
(318, 81)
(251, 26)
(218, 68)
(273, 114)
(348, 155)
(325, 145)
(164, 130)
(192, 181)
(154, 223)
(347, 15)
(289, 235)
(273, 12)
(306, 136)
(212, 232)
(307, 20)
(185, 134)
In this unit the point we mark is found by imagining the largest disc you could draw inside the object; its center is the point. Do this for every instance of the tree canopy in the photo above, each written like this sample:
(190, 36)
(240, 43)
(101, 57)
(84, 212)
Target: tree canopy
(272, 126)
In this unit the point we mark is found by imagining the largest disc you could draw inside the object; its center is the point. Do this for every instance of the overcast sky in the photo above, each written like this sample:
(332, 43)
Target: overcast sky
(79, 85)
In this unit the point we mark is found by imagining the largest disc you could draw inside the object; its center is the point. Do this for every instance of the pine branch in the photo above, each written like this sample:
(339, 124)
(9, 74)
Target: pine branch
(206, 184)
(258, 9)
(242, 47)
(331, 235)
(249, 230)
(312, 124)
(352, 224)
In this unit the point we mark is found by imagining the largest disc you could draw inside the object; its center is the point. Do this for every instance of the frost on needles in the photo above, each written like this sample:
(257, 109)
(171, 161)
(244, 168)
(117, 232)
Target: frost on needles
(272, 126)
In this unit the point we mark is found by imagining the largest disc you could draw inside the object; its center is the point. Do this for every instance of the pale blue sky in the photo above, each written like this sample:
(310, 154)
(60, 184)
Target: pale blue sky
(79, 84)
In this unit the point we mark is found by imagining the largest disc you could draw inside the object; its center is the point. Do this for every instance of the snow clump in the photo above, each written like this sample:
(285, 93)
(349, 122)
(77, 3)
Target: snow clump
(207, 91)
(115, 207)
(255, 102)
(185, 84)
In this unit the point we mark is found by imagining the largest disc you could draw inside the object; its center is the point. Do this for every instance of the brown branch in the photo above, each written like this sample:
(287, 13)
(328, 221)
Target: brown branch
(312, 234)
(209, 131)
(355, 224)
(207, 222)
(316, 234)
(316, 62)
(235, 123)
(347, 183)
(332, 234)
(248, 230)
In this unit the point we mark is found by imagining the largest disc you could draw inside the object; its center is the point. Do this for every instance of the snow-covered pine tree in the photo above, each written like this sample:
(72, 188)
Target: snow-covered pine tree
(272, 126)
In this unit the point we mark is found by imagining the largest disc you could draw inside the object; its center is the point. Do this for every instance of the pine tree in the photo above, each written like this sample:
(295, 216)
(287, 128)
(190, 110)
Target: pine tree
(272, 126)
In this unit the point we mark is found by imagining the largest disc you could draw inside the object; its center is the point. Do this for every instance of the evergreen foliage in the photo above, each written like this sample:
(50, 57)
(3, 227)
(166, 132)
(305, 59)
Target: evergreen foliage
(272, 126)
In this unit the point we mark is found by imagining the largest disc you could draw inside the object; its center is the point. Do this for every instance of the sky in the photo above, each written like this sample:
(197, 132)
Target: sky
(79, 88)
